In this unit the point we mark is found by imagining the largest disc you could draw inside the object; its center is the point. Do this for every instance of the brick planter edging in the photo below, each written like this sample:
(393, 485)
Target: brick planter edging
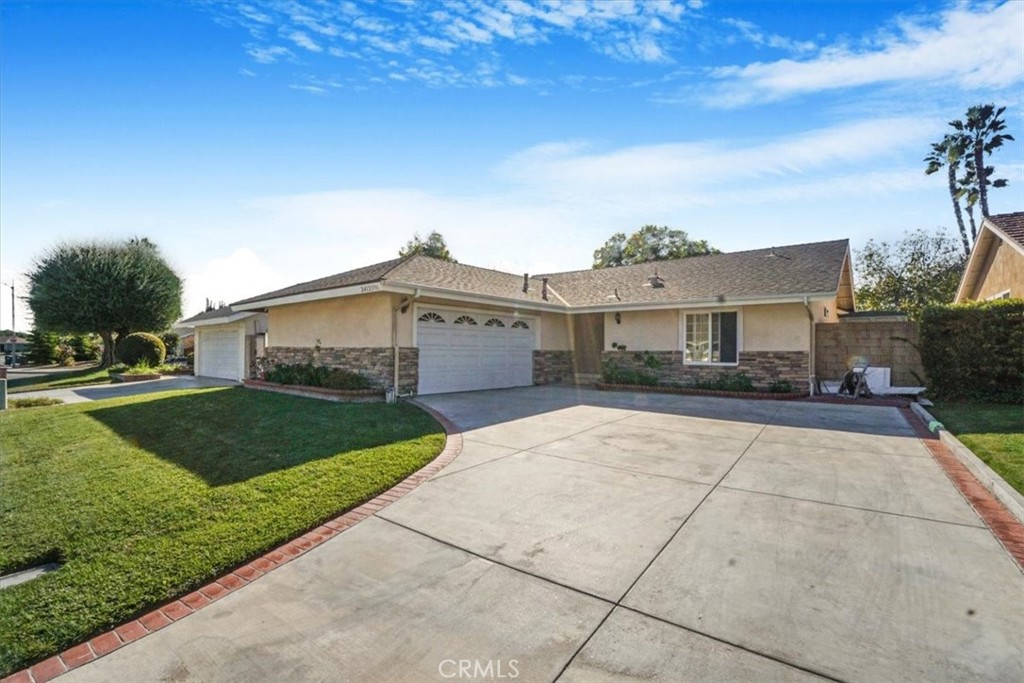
(1007, 529)
(365, 395)
(181, 607)
(690, 391)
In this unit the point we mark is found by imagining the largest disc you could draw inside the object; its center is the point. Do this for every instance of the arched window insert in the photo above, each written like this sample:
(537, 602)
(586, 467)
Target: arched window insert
(431, 317)
(494, 322)
(465, 320)
(521, 324)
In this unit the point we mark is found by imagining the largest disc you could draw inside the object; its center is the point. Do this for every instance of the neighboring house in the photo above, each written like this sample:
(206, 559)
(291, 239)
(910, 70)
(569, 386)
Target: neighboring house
(11, 347)
(429, 326)
(227, 341)
(995, 269)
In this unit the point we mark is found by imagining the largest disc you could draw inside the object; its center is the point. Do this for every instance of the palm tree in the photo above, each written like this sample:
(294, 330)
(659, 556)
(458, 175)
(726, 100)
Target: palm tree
(948, 152)
(983, 132)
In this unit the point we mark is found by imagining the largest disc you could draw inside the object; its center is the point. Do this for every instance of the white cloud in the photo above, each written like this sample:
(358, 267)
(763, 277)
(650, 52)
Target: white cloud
(238, 275)
(753, 34)
(302, 39)
(976, 48)
(268, 55)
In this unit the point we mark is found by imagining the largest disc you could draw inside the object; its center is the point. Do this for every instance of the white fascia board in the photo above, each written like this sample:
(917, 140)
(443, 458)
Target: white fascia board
(351, 290)
(703, 303)
(481, 299)
(226, 320)
(1003, 236)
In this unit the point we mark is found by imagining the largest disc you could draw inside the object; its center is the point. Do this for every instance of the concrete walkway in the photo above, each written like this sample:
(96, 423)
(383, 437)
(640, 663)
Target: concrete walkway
(588, 536)
(102, 391)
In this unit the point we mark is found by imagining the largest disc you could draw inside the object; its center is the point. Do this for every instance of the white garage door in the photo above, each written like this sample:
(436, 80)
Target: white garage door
(220, 354)
(462, 351)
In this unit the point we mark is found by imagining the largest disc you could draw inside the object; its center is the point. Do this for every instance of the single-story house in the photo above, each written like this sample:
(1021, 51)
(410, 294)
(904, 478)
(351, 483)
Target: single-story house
(227, 342)
(995, 269)
(429, 326)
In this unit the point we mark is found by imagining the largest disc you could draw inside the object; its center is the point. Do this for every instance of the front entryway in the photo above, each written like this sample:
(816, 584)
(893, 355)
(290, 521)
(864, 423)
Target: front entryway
(464, 351)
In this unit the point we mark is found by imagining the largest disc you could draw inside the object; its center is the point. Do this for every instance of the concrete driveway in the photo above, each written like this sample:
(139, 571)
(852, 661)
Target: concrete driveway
(585, 536)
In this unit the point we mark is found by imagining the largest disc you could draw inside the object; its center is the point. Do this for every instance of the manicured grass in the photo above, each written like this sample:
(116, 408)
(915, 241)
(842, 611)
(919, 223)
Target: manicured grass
(145, 498)
(90, 374)
(38, 402)
(994, 432)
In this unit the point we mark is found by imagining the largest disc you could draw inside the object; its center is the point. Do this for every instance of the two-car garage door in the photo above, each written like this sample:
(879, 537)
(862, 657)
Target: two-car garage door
(463, 351)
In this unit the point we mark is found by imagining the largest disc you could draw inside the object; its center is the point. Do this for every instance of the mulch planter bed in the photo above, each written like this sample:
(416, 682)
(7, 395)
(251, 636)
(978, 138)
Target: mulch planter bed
(354, 395)
(689, 391)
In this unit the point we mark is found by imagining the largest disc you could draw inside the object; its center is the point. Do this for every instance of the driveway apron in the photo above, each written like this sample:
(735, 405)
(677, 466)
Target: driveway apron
(596, 536)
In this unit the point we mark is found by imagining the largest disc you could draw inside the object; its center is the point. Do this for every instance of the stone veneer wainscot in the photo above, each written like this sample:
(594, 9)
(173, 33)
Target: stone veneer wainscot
(377, 364)
(763, 367)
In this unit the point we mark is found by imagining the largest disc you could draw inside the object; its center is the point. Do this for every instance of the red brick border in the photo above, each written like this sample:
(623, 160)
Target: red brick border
(1004, 526)
(691, 391)
(184, 605)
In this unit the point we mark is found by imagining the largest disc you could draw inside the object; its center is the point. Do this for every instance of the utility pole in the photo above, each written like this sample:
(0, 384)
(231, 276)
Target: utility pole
(14, 331)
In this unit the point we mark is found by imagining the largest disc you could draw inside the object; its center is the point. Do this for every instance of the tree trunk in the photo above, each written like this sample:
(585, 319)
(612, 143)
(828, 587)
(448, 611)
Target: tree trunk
(108, 349)
(974, 227)
(979, 168)
(952, 168)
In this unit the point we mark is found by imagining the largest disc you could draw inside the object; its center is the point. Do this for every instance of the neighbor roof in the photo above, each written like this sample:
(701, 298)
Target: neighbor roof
(1011, 224)
(792, 270)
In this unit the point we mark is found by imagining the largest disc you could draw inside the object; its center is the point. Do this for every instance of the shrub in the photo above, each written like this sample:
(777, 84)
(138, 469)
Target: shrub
(727, 381)
(85, 346)
(34, 402)
(309, 375)
(66, 355)
(141, 347)
(780, 386)
(613, 373)
(975, 351)
(42, 347)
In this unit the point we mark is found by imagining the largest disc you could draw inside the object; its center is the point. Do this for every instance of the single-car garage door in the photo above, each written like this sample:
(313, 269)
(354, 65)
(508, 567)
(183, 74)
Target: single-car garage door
(463, 351)
(220, 353)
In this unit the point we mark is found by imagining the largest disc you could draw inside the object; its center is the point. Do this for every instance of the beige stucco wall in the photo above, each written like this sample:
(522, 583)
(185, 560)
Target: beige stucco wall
(355, 321)
(776, 327)
(555, 332)
(643, 330)
(1006, 272)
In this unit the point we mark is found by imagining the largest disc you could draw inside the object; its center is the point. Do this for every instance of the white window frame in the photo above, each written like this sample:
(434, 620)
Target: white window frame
(1005, 294)
(739, 335)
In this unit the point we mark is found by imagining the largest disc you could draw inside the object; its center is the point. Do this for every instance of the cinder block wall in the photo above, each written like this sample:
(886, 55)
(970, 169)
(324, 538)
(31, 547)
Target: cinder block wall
(836, 343)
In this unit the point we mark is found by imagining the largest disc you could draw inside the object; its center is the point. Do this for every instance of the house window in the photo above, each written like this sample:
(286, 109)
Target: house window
(465, 320)
(494, 322)
(521, 324)
(710, 338)
(431, 317)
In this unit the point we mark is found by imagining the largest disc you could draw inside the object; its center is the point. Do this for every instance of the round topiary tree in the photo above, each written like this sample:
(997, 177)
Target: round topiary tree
(141, 348)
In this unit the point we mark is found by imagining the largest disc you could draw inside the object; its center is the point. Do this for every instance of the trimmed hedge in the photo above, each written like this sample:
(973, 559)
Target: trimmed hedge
(141, 348)
(321, 376)
(975, 351)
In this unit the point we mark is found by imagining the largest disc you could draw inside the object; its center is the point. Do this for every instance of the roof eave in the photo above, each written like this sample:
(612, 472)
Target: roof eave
(708, 302)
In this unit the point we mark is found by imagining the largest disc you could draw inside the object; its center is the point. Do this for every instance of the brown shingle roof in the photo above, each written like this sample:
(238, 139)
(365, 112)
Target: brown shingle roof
(1012, 224)
(349, 277)
(778, 271)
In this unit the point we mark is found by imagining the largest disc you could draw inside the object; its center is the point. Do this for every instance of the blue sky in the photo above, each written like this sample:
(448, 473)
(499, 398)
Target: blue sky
(266, 143)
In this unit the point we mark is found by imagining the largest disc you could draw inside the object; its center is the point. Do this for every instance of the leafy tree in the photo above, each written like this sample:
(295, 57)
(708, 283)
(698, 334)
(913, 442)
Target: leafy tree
(84, 346)
(962, 152)
(434, 246)
(42, 347)
(649, 243)
(110, 288)
(918, 271)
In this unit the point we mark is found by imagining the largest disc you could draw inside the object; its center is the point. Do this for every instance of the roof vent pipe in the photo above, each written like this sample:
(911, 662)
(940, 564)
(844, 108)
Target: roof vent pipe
(544, 288)
(526, 283)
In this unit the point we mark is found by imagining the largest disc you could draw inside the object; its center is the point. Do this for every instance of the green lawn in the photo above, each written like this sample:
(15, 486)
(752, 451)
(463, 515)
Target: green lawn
(89, 374)
(145, 498)
(994, 432)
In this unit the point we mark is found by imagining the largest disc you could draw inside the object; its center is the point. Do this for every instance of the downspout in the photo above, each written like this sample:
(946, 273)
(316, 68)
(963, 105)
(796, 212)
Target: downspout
(811, 359)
